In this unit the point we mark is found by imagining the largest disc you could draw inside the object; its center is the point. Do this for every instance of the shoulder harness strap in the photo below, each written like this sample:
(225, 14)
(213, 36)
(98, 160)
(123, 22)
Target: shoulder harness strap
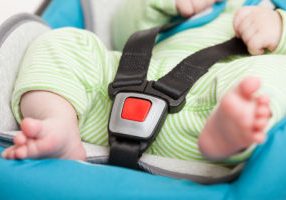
(140, 106)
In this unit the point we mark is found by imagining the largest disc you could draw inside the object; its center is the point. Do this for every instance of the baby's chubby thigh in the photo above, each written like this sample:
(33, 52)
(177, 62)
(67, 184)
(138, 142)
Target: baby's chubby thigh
(270, 69)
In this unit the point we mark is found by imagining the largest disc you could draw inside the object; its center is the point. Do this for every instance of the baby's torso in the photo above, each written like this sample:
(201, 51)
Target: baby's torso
(178, 137)
(179, 134)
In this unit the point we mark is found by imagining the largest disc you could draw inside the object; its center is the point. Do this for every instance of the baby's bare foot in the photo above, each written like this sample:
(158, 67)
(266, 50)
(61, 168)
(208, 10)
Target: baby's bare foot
(46, 138)
(239, 121)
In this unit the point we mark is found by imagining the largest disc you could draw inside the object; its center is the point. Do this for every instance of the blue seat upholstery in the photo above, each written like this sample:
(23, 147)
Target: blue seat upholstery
(262, 178)
(59, 13)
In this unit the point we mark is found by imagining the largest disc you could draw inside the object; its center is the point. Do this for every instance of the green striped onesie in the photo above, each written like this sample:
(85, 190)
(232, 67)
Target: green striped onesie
(76, 65)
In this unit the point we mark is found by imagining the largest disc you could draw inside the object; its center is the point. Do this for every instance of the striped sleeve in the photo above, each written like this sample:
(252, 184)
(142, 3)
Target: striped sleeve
(281, 49)
(166, 7)
(134, 15)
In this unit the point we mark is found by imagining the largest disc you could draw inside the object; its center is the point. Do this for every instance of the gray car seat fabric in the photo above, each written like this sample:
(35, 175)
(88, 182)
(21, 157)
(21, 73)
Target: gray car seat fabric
(15, 36)
(98, 15)
(197, 171)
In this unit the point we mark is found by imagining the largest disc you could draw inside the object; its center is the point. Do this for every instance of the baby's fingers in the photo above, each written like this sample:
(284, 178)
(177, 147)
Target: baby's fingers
(188, 8)
(256, 45)
(200, 5)
(247, 32)
(185, 8)
(240, 18)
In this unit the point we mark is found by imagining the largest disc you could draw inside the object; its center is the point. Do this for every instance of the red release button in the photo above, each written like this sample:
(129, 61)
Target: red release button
(135, 109)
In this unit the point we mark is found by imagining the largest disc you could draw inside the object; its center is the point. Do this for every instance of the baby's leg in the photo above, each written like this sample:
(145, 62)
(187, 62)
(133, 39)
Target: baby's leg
(49, 129)
(239, 121)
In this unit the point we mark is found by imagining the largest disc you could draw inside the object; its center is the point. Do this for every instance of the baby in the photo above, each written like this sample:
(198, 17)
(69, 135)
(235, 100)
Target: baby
(60, 95)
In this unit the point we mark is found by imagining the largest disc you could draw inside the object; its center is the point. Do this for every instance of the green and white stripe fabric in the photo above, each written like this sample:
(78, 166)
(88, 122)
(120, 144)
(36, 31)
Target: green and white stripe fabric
(134, 15)
(76, 65)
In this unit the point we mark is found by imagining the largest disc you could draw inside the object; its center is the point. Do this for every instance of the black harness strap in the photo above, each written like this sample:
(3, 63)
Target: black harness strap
(136, 55)
(124, 154)
(173, 87)
(179, 80)
(135, 58)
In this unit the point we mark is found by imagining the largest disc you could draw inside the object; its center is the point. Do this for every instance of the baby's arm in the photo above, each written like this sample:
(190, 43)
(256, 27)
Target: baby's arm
(260, 28)
(134, 15)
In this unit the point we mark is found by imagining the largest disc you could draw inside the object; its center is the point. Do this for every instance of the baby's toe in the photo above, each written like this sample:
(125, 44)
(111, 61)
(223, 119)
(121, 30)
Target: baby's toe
(263, 100)
(260, 124)
(33, 150)
(263, 112)
(249, 86)
(32, 128)
(20, 139)
(9, 153)
(259, 137)
(21, 152)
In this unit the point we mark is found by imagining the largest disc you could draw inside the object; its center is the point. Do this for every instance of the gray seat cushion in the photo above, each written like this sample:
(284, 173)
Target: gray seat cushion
(16, 33)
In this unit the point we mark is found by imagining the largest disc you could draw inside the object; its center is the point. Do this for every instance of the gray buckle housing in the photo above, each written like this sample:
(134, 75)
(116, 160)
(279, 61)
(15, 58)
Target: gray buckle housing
(133, 129)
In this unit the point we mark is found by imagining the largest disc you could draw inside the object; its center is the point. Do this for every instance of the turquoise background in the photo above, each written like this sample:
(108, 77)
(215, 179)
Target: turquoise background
(262, 178)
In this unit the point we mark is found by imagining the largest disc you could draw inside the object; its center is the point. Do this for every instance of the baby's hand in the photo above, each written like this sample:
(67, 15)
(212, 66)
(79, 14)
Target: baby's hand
(187, 8)
(260, 28)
